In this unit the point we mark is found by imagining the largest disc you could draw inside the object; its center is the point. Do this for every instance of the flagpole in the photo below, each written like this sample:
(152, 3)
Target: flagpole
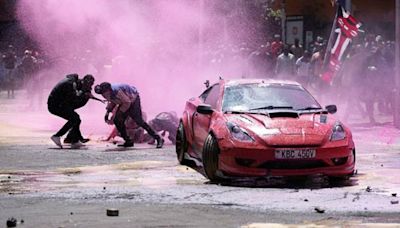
(330, 41)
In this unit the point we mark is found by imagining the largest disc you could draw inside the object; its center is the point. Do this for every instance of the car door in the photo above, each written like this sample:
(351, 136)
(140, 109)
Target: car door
(201, 122)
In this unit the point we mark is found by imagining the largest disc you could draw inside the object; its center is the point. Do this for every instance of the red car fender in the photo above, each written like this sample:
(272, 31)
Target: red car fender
(218, 126)
(187, 126)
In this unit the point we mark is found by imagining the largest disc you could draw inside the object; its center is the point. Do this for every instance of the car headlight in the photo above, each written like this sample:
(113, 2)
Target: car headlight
(238, 133)
(338, 132)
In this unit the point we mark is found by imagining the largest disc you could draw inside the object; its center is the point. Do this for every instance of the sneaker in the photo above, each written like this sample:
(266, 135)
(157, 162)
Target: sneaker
(67, 141)
(56, 140)
(76, 145)
(160, 142)
(126, 144)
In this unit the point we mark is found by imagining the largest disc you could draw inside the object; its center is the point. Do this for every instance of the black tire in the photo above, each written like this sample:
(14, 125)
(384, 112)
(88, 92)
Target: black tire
(181, 145)
(211, 157)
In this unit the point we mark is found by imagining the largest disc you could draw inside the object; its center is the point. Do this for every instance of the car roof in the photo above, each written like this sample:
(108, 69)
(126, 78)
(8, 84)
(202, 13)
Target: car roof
(232, 82)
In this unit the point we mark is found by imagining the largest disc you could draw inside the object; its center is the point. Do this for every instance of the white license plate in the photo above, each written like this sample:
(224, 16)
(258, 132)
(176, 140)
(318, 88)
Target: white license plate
(295, 153)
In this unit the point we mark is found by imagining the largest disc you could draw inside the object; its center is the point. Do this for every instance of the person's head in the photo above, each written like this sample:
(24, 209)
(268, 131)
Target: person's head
(307, 55)
(319, 43)
(286, 49)
(277, 37)
(104, 89)
(27, 52)
(87, 82)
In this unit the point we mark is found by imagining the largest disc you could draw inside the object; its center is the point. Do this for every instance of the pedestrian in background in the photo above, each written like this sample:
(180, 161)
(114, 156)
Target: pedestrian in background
(285, 64)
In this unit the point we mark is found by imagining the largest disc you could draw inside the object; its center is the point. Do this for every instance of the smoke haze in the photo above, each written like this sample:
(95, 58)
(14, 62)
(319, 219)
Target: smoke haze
(154, 45)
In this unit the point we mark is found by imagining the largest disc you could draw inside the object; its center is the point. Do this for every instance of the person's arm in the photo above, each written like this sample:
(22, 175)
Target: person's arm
(293, 65)
(110, 107)
(297, 66)
(278, 66)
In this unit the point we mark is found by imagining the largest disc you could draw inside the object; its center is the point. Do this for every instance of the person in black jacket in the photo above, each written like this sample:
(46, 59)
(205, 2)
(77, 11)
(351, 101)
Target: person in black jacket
(10, 60)
(69, 94)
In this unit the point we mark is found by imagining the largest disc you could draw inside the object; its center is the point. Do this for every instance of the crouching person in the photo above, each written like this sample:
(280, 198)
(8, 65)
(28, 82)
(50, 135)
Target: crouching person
(128, 100)
(62, 102)
(165, 122)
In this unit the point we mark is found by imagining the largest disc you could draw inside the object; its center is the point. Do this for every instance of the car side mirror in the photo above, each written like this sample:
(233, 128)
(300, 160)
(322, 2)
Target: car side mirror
(332, 109)
(204, 109)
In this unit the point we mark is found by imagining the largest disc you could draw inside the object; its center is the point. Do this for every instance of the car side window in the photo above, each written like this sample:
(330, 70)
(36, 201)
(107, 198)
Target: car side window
(204, 95)
(213, 96)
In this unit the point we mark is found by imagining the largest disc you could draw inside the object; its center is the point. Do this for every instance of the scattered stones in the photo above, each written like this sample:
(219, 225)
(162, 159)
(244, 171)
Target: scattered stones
(345, 195)
(319, 210)
(305, 200)
(112, 212)
(368, 189)
(11, 222)
(394, 202)
(104, 188)
(381, 165)
(9, 177)
(71, 213)
(357, 197)
(22, 221)
(394, 194)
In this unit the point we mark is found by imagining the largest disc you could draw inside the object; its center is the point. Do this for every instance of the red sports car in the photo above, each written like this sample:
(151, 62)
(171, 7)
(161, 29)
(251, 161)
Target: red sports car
(263, 128)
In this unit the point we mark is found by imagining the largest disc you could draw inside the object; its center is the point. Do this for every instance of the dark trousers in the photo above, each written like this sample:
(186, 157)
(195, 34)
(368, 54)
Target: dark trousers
(135, 112)
(73, 122)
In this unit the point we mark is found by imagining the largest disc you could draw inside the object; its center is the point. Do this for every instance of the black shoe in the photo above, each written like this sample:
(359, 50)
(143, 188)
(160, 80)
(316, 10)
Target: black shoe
(126, 144)
(160, 142)
(83, 140)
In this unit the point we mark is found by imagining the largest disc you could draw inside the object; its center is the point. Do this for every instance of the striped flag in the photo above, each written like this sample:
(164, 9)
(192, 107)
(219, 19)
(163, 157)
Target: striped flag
(346, 29)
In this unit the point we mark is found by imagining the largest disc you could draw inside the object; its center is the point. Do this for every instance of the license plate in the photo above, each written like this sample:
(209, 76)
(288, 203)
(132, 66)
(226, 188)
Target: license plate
(295, 153)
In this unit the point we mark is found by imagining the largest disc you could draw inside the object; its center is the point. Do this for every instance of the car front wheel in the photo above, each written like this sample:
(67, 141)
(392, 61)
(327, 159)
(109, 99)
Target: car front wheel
(211, 157)
(181, 145)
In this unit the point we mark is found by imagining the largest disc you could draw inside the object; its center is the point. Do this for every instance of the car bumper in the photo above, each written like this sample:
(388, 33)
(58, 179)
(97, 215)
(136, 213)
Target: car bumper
(243, 162)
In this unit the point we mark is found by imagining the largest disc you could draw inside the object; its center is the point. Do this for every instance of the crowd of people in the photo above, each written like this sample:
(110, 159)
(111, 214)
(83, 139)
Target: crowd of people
(19, 70)
(364, 80)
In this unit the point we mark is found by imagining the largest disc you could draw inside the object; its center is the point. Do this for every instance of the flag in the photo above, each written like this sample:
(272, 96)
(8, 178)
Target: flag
(346, 29)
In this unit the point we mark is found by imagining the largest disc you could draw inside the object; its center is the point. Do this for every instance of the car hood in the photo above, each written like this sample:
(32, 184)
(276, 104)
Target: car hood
(286, 130)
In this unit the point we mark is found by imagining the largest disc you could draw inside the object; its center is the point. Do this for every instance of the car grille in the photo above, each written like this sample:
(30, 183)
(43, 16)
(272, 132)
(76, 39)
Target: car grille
(298, 164)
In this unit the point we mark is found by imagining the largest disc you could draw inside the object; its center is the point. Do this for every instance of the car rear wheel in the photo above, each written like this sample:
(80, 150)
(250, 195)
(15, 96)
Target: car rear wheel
(211, 157)
(181, 145)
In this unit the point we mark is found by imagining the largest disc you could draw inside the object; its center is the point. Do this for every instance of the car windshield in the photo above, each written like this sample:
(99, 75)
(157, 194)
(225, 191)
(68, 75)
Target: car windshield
(261, 96)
